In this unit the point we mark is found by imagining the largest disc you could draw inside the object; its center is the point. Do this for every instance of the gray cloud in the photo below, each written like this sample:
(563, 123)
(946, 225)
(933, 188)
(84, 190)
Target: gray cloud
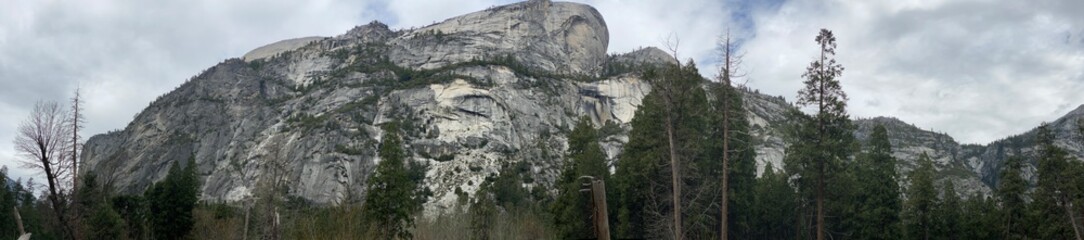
(977, 70)
(125, 53)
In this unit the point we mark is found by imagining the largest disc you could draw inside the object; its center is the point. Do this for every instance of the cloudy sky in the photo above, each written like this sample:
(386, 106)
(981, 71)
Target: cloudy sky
(978, 70)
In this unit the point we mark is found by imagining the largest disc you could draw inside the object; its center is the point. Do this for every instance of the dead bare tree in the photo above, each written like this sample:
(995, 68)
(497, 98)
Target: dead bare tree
(668, 91)
(42, 143)
(75, 122)
(727, 71)
(673, 42)
(272, 188)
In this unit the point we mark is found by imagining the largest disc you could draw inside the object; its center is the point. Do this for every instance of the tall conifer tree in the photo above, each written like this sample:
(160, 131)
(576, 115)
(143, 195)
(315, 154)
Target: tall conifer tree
(824, 140)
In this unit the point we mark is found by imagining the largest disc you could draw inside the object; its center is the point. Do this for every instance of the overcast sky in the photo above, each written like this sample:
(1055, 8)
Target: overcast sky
(978, 70)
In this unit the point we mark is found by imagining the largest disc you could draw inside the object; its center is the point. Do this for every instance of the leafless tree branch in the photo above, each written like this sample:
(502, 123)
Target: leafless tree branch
(42, 143)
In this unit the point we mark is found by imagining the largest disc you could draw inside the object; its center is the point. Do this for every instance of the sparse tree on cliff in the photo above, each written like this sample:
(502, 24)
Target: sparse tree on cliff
(391, 196)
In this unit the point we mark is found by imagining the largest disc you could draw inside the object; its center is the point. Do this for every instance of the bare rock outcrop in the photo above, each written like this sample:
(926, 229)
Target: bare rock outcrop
(559, 37)
(306, 112)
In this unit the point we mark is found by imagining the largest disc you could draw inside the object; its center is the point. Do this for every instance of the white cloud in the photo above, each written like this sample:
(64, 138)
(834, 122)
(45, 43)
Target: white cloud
(635, 24)
(418, 13)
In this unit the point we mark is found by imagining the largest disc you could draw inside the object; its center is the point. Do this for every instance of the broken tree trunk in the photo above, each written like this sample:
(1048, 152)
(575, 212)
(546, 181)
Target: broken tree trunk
(602, 220)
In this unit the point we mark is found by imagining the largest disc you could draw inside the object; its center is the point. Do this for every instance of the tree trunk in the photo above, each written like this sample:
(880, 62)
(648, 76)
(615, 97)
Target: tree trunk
(725, 204)
(1072, 220)
(54, 197)
(726, 175)
(244, 234)
(820, 179)
(76, 119)
(602, 220)
(820, 204)
(821, 162)
(801, 226)
(925, 231)
(42, 138)
(18, 221)
(675, 176)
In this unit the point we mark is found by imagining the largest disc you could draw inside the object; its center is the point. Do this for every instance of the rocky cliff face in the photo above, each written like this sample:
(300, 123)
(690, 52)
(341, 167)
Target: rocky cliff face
(563, 38)
(987, 160)
(910, 142)
(473, 93)
(972, 168)
(769, 117)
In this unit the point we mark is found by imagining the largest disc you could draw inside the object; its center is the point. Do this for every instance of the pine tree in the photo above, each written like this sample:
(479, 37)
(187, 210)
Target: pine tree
(673, 86)
(500, 196)
(798, 164)
(391, 199)
(947, 216)
(728, 108)
(979, 218)
(731, 141)
(1011, 194)
(98, 217)
(1052, 213)
(507, 187)
(670, 139)
(34, 212)
(585, 158)
(638, 169)
(878, 196)
(921, 201)
(845, 203)
(483, 211)
(775, 207)
(171, 201)
(135, 213)
(7, 204)
(831, 136)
